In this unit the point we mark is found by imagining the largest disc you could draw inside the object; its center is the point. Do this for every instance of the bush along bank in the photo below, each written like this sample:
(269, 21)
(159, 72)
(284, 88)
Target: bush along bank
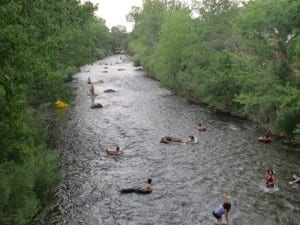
(41, 43)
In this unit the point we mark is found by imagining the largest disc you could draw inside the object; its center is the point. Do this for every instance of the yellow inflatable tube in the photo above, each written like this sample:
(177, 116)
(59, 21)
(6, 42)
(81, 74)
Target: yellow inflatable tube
(61, 104)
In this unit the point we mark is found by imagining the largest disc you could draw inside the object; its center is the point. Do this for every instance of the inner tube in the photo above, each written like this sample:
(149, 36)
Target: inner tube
(134, 190)
(168, 139)
(113, 152)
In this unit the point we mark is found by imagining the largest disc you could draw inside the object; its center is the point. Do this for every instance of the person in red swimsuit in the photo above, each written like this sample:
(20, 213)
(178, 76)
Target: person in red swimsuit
(270, 179)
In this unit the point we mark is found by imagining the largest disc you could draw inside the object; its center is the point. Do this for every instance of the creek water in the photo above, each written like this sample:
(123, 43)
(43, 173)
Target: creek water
(188, 180)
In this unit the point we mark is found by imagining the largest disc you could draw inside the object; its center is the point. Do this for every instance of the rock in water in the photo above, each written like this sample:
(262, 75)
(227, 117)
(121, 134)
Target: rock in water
(109, 90)
(96, 106)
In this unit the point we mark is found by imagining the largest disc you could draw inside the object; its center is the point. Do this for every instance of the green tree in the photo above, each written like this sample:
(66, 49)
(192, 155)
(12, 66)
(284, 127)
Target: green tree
(171, 49)
(144, 37)
(242, 58)
(41, 44)
(118, 36)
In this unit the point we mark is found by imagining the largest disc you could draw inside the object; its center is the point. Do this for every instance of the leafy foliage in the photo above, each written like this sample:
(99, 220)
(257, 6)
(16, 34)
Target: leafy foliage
(41, 45)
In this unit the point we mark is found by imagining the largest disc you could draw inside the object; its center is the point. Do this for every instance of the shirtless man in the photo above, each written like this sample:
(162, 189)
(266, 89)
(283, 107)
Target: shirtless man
(201, 127)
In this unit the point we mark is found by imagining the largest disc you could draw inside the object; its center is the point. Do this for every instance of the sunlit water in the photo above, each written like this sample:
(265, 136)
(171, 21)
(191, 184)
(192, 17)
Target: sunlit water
(188, 180)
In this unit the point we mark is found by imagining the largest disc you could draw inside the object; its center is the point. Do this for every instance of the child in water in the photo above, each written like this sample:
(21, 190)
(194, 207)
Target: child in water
(223, 209)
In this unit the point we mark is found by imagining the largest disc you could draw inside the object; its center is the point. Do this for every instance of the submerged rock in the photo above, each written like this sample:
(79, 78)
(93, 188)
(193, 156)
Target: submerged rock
(96, 106)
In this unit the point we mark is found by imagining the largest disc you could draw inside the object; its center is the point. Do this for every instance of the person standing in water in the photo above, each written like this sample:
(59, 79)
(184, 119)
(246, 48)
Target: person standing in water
(89, 81)
(223, 209)
(92, 90)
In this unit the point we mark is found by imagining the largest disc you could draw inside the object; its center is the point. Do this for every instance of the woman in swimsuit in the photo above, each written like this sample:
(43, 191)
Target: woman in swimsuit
(270, 179)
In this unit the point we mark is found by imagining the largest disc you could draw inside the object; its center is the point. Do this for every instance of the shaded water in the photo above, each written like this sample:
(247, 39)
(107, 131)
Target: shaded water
(188, 180)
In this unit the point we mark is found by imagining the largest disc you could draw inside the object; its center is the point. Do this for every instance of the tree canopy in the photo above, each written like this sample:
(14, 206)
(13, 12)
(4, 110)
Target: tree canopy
(42, 43)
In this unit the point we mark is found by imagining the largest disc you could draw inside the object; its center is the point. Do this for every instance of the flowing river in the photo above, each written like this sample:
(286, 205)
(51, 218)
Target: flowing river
(188, 180)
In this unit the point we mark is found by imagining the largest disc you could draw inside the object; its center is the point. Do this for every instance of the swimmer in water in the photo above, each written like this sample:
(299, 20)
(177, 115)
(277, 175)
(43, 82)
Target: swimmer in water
(146, 188)
(188, 139)
(201, 127)
(223, 209)
(296, 180)
(270, 179)
(191, 140)
(116, 151)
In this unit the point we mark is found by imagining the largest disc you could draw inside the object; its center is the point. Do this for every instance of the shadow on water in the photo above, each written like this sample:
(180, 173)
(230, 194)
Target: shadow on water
(189, 180)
